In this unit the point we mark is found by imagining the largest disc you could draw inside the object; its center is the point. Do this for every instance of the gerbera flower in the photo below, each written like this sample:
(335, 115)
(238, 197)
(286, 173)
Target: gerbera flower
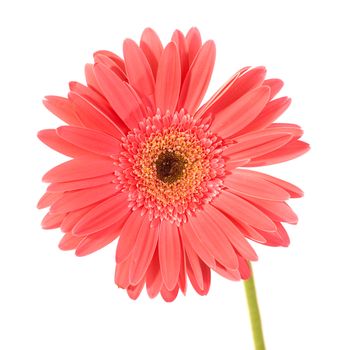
(166, 176)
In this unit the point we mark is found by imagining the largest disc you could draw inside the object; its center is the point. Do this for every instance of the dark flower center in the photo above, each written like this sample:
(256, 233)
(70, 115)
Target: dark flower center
(170, 166)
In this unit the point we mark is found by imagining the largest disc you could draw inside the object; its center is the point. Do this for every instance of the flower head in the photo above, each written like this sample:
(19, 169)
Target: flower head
(166, 176)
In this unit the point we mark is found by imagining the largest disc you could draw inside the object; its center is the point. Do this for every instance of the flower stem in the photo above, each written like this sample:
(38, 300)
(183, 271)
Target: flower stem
(254, 313)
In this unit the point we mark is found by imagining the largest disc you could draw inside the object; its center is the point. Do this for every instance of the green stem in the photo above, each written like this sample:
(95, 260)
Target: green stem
(254, 313)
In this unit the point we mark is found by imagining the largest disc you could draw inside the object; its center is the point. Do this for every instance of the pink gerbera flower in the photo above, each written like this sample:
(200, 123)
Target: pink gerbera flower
(165, 176)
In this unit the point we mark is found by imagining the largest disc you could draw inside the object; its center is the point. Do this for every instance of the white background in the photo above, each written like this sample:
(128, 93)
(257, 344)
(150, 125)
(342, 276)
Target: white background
(51, 299)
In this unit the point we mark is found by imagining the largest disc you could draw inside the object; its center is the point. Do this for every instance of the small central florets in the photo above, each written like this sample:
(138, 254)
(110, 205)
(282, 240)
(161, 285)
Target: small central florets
(170, 166)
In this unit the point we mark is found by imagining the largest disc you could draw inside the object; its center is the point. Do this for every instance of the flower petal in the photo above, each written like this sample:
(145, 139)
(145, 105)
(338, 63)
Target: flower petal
(110, 64)
(62, 108)
(289, 151)
(52, 220)
(99, 239)
(197, 79)
(152, 48)
(206, 276)
(271, 112)
(119, 96)
(293, 190)
(51, 139)
(179, 39)
(82, 198)
(213, 238)
(105, 214)
(47, 199)
(168, 80)
(80, 168)
(256, 146)
(255, 186)
(239, 114)
(278, 211)
(91, 140)
(194, 43)
(130, 231)
(275, 86)
(169, 253)
(239, 208)
(73, 217)
(154, 279)
(232, 233)
(69, 242)
(239, 84)
(90, 77)
(169, 295)
(81, 184)
(138, 69)
(94, 118)
(142, 255)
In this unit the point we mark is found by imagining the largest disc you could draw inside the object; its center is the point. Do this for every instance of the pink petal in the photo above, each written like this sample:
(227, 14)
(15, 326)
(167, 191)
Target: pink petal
(110, 64)
(292, 129)
(239, 114)
(194, 43)
(169, 295)
(196, 265)
(183, 271)
(250, 232)
(82, 198)
(232, 233)
(275, 86)
(80, 168)
(152, 48)
(119, 96)
(138, 69)
(73, 217)
(115, 58)
(94, 118)
(201, 290)
(51, 220)
(271, 112)
(244, 81)
(213, 238)
(169, 253)
(179, 39)
(289, 151)
(197, 79)
(81, 184)
(239, 208)
(191, 241)
(222, 98)
(99, 239)
(232, 275)
(133, 226)
(48, 199)
(279, 211)
(98, 101)
(255, 186)
(142, 255)
(283, 234)
(69, 242)
(168, 80)
(91, 140)
(154, 279)
(256, 146)
(90, 77)
(244, 268)
(51, 139)
(121, 277)
(105, 214)
(62, 108)
(134, 291)
(293, 190)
